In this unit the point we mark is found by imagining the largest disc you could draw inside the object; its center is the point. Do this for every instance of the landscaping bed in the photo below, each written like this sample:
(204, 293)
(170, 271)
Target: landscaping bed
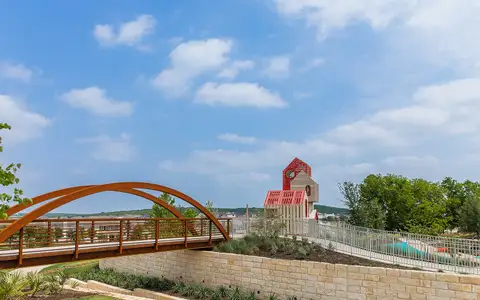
(273, 246)
(162, 285)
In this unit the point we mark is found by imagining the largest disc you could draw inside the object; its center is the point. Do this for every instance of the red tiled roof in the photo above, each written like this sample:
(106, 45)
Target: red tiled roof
(284, 197)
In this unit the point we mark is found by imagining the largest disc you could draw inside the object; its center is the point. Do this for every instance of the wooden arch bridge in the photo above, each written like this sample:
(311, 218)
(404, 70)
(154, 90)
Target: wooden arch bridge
(32, 240)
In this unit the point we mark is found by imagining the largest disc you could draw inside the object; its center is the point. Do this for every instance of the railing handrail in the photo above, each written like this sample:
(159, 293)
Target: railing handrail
(109, 219)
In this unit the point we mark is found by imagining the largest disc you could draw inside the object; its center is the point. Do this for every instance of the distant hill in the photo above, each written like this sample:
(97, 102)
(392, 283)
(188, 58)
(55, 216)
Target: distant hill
(237, 211)
(325, 209)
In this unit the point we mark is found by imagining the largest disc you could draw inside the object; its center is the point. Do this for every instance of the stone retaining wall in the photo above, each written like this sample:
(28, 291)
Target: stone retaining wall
(303, 279)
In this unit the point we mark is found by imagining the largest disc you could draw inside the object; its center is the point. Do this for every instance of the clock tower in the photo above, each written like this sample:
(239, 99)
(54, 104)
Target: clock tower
(292, 170)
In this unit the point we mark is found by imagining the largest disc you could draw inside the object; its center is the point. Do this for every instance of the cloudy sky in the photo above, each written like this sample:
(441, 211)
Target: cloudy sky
(216, 99)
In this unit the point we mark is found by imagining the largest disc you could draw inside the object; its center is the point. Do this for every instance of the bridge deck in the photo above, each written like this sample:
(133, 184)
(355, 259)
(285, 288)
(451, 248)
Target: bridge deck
(52, 241)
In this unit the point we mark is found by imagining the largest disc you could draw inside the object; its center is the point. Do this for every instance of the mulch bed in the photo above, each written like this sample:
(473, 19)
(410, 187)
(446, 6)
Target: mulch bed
(65, 294)
(332, 257)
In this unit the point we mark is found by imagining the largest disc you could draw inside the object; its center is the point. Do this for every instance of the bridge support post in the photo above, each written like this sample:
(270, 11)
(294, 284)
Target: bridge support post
(120, 237)
(185, 231)
(210, 234)
(92, 233)
(157, 229)
(20, 248)
(228, 227)
(49, 233)
(128, 230)
(77, 229)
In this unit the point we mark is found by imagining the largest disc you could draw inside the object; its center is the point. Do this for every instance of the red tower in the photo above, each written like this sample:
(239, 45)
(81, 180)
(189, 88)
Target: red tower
(292, 170)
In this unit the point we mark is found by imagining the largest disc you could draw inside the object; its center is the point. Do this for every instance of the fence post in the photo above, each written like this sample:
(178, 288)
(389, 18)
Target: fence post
(228, 227)
(128, 230)
(185, 231)
(201, 227)
(210, 234)
(120, 237)
(92, 233)
(157, 229)
(49, 233)
(77, 228)
(20, 247)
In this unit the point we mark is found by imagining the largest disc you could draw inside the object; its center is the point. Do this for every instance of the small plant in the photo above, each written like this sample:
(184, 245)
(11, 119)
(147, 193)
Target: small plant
(203, 293)
(222, 291)
(35, 283)
(292, 298)
(12, 285)
(216, 296)
(179, 287)
(73, 284)
(251, 296)
(189, 290)
(272, 297)
(301, 253)
(236, 294)
(331, 247)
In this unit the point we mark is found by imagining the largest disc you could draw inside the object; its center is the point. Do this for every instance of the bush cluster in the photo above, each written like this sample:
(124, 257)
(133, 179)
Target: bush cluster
(125, 281)
(191, 291)
(271, 245)
(14, 285)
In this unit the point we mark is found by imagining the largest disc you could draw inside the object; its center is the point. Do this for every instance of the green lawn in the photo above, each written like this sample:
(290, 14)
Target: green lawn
(94, 298)
(72, 267)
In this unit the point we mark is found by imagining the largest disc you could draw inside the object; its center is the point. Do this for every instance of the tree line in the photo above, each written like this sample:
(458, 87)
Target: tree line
(396, 203)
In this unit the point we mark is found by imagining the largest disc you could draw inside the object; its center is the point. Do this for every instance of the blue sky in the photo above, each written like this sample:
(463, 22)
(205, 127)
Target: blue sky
(214, 100)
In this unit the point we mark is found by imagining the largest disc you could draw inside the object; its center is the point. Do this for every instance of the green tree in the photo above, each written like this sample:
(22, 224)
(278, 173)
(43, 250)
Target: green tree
(363, 211)
(429, 214)
(470, 214)
(7, 178)
(209, 206)
(190, 212)
(161, 212)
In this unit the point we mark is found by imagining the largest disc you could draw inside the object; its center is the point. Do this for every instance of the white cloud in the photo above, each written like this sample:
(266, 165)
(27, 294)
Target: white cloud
(235, 138)
(395, 137)
(130, 33)
(328, 15)
(96, 101)
(277, 67)
(111, 149)
(232, 70)
(238, 95)
(443, 31)
(25, 124)
(15, 71)
(314, 63)
(189, 60)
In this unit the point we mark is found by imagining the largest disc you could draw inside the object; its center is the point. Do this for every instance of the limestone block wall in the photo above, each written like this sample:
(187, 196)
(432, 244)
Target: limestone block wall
(304, 279)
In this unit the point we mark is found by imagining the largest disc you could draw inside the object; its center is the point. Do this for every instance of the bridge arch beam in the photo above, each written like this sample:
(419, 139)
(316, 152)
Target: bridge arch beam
(62, 192)
(87, 191)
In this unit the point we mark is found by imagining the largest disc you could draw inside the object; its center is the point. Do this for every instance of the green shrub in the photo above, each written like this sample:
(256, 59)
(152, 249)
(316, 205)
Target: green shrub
(126, 281)
(301, 253)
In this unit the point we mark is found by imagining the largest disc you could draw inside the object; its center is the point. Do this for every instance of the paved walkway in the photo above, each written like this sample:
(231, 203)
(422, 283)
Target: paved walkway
(24, 271)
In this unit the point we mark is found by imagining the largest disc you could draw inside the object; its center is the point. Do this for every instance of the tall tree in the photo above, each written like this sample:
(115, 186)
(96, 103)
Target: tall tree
(161, 212)
(7, 178)
(363, 211)
(470, 214)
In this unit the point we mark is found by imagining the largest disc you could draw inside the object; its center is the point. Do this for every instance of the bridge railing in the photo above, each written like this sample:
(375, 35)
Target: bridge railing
(43, 233)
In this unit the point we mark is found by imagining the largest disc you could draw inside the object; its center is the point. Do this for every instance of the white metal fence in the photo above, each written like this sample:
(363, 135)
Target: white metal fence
(407, 249)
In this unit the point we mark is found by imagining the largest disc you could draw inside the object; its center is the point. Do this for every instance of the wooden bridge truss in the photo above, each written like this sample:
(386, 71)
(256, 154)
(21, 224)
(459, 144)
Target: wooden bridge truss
(30, 240)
